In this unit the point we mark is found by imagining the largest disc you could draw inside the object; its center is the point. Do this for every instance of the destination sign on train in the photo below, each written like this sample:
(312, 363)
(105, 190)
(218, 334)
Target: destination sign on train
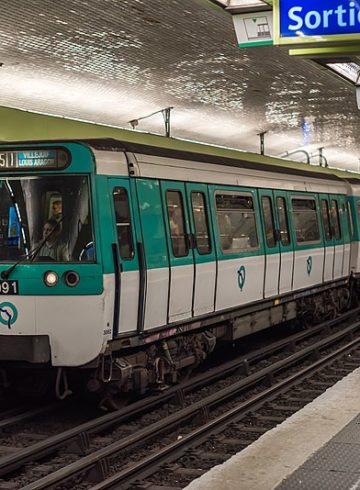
(33, 159)
(305, 21)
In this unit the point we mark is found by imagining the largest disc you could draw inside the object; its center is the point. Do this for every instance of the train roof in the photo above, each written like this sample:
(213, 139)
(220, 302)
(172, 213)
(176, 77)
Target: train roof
(24, 127)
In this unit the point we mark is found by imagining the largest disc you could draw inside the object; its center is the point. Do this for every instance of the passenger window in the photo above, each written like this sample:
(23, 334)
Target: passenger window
(175, 210)
(283, 221)
(325, 213)
(236, 222)
(350, 220)
(268, 221)
(305, 221)
(201, 223)
(335, 219)
(123, 223)
(358, 210)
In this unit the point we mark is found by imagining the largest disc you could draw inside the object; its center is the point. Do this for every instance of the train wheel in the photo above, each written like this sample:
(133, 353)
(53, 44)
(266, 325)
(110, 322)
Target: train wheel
(114, 401)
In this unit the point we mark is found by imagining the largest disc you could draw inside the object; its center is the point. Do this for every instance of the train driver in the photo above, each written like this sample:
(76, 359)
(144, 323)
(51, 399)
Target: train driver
(52, 247)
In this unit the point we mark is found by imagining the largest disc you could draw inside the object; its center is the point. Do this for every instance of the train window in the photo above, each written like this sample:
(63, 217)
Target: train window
(27, 203)
(305, 220)
(350, 220)
(335, 219)
(178, 237)
(236, 222)
(268, 221)
(201, 223)
(358, 210)
(325, 213)
(283, 221)
(123, 223)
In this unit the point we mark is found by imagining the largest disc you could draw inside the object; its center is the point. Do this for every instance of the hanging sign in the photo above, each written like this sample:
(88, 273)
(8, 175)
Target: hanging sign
(329, 22)
(254, 29)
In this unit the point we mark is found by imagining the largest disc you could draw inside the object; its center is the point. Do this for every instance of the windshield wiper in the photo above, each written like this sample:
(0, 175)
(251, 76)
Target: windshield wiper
(31, 255)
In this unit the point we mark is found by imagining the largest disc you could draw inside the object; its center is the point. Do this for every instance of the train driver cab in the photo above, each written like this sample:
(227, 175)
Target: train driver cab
(30, 204)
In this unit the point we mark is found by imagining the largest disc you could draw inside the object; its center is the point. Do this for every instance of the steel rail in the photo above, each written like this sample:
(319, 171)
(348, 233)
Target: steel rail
(15, 417)
(88, 462)
(271, 349)
(52, 444)
(150, 464)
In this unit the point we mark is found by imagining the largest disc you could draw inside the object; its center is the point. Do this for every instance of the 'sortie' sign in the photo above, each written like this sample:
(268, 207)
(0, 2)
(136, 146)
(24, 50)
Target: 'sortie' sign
(298, 22)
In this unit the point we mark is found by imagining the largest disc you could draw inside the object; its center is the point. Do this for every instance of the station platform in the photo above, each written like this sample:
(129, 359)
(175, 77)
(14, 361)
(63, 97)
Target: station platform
(317, 448)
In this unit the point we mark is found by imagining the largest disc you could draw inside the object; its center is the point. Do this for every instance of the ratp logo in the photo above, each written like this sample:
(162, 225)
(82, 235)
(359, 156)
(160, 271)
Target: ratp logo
(309, 264)
(241, 277)
(8, 314)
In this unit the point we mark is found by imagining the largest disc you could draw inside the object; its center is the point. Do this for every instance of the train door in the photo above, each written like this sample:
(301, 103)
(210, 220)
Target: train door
(345, 219)
(241, 254)
(126, 261)
(308, 242)
(337, 235)
(203, 249)
(285, 242)
(272, 246)
(181, 259)
(329, 250)
(153, 255)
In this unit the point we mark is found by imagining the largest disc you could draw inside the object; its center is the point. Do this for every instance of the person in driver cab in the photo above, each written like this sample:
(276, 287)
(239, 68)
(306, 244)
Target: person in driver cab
(52, 246)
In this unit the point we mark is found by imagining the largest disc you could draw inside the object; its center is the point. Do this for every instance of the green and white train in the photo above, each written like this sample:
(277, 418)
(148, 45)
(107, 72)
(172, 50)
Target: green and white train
(172, 245)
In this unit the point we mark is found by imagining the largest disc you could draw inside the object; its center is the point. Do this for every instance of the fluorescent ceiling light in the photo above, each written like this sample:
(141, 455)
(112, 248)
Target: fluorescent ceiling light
(244, 4)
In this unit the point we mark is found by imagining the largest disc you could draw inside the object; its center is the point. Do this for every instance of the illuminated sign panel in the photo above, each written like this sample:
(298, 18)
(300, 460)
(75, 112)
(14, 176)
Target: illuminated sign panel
(254, 29)
(304, 21)
(34, 159)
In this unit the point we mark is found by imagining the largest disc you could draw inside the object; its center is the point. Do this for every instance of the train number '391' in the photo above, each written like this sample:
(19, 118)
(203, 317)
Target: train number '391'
(9, 287)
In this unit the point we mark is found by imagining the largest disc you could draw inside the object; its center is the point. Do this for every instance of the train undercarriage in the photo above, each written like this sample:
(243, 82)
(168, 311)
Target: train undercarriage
(127, 370)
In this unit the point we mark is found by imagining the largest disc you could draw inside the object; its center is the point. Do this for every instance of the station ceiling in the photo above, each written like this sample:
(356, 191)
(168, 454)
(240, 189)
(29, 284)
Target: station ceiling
(112, 61)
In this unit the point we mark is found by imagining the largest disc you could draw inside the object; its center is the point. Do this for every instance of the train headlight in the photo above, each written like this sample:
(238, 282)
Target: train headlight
(71, 278)
(51, 278)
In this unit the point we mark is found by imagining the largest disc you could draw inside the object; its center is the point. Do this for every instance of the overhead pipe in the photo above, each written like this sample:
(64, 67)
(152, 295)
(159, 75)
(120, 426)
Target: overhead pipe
(288, 153)
(319, 153)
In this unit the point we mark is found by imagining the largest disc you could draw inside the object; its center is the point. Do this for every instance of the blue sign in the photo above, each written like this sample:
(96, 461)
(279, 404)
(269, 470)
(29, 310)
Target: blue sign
(303, 18)
(14, 228)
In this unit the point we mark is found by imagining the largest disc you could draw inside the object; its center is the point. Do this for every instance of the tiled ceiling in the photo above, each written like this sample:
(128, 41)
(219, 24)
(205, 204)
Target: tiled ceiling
(110, 61)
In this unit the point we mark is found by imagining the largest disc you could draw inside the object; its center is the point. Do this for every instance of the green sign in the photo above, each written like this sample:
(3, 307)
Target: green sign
(254, 29)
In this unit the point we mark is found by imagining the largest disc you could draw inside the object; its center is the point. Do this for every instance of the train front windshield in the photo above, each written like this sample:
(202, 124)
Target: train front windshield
(31, 206)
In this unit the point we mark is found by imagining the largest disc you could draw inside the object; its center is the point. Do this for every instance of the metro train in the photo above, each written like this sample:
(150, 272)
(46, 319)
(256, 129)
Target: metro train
(172, 246)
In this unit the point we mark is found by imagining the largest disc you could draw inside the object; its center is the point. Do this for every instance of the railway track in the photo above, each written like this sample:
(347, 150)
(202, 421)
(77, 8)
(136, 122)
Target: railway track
(174, 436)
